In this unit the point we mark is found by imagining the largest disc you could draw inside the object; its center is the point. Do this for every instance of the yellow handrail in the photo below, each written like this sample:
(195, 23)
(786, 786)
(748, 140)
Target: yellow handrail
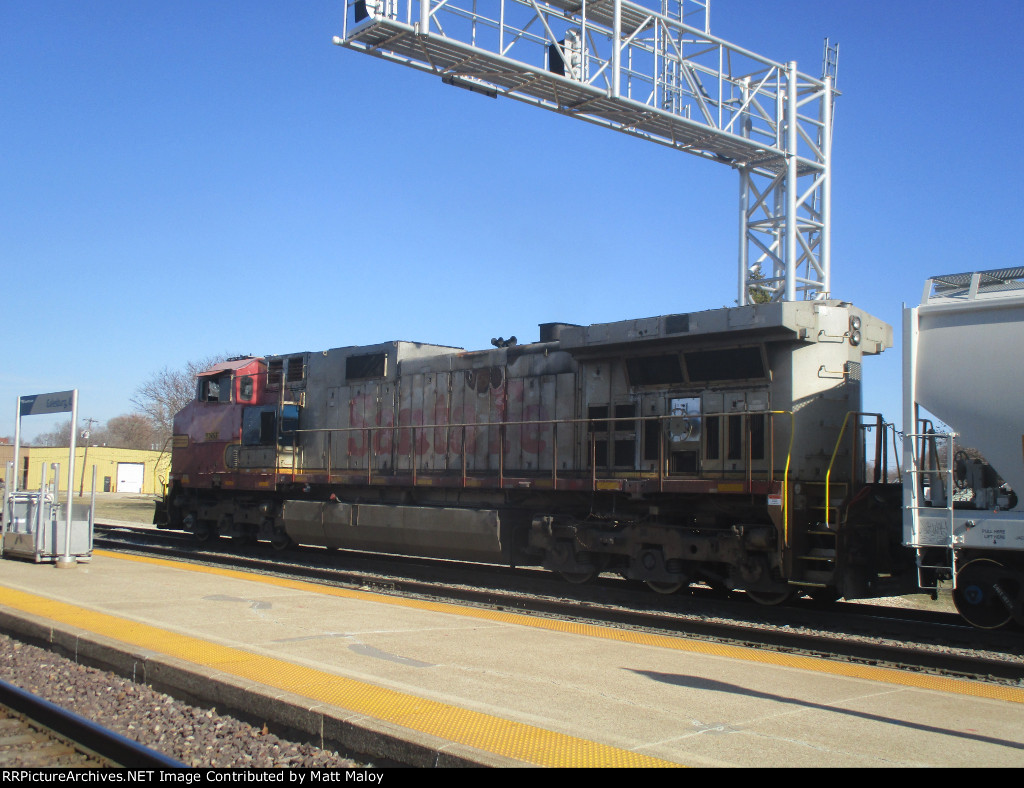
(835, 451)
(785, 473)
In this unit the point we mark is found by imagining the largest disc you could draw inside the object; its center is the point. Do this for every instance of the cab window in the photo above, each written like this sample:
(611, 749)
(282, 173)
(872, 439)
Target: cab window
(215, 388)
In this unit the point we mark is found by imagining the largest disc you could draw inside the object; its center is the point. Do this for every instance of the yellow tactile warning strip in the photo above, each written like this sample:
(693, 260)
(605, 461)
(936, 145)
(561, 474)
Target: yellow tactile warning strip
(886, 675)
(527, 743)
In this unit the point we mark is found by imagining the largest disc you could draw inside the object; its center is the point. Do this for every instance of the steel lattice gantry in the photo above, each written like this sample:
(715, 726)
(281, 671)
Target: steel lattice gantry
(658, 75)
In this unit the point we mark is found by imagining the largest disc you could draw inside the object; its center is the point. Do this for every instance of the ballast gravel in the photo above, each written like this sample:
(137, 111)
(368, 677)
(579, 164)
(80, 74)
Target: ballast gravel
(195, 736)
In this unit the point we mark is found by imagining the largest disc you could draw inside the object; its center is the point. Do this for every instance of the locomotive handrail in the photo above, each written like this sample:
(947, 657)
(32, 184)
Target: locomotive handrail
(896, 456)
(785, 473)
(369, 431)
(879, 424)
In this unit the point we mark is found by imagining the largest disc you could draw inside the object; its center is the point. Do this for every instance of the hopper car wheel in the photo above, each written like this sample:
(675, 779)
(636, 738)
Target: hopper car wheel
(770, 598)
(664, 588)
(984, 593)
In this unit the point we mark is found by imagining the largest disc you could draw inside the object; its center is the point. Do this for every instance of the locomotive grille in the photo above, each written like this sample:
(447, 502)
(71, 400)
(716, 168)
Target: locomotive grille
(275, 373)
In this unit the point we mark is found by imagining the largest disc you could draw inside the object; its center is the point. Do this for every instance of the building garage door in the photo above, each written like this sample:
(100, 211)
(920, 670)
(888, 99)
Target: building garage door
(129, 476)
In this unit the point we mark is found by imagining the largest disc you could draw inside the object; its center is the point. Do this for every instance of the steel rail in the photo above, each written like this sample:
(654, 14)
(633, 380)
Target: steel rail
(101, 741)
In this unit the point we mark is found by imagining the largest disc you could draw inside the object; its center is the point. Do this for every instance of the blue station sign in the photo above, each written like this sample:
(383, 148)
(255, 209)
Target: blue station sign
(38, 404)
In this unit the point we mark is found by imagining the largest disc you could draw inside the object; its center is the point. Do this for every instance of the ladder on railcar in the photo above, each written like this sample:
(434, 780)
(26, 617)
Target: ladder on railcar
(930, 491)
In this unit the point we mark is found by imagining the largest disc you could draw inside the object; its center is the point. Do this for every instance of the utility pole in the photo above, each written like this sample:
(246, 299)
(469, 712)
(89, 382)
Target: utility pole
(85, 454)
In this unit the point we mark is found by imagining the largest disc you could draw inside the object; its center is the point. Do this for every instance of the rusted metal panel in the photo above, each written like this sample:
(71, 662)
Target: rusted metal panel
(497, 413)
(480, 400)
(350, 446)
(515, 391)
(385, 442)
(566, 408)
(457, 415)
(435, 411)
(403, 437)
(477, 387)
(537, 435)
(418, 440)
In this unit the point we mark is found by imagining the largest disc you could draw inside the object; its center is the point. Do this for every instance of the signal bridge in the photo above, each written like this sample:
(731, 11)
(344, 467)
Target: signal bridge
(655, 74)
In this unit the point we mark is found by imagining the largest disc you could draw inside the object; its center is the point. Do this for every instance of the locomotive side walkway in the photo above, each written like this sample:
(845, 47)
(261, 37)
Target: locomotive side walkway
(435, 684)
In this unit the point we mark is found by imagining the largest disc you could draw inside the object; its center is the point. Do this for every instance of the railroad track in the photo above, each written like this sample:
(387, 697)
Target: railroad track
(922, 640)
(35, 733)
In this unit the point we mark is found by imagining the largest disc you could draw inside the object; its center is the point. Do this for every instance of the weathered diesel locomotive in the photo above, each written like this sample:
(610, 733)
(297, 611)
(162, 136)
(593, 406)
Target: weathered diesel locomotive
(725, 447)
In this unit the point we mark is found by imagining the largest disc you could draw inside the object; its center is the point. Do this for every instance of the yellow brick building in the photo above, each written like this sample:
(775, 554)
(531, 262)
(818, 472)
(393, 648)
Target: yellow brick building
(7, 456)
(117, 470)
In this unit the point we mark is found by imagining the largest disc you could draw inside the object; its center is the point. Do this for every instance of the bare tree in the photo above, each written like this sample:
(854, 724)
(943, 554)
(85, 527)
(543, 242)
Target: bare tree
(94, 434)
(131, 431)
(167, 392)
(58, 436)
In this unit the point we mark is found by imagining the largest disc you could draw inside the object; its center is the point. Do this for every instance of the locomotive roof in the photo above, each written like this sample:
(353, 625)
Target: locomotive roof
(231, 365)
(400, 344)
(800, 320)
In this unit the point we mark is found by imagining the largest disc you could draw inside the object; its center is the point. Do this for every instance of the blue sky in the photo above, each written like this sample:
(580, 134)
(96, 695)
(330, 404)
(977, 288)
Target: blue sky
(183, 179)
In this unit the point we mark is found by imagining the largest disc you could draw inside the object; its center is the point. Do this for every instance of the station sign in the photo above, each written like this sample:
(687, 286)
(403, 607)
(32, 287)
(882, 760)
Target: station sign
(39, 404)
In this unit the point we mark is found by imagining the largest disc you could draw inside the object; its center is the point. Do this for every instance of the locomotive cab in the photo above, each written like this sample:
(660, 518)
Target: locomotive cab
(208, 436)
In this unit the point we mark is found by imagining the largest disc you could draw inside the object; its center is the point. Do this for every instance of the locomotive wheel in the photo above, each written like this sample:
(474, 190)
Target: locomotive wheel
(280, 540)
(241, 535)
(563, 554)
(205, 530)
(586, 575)
(984, 593)
(664, 588)
(770, 598)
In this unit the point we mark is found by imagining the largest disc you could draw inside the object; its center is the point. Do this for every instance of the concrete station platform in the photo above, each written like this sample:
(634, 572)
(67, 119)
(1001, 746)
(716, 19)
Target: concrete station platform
(432, 684)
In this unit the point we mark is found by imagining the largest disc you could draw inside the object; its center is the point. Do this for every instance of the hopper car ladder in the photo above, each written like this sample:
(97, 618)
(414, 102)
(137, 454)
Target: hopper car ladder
(925, 467)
